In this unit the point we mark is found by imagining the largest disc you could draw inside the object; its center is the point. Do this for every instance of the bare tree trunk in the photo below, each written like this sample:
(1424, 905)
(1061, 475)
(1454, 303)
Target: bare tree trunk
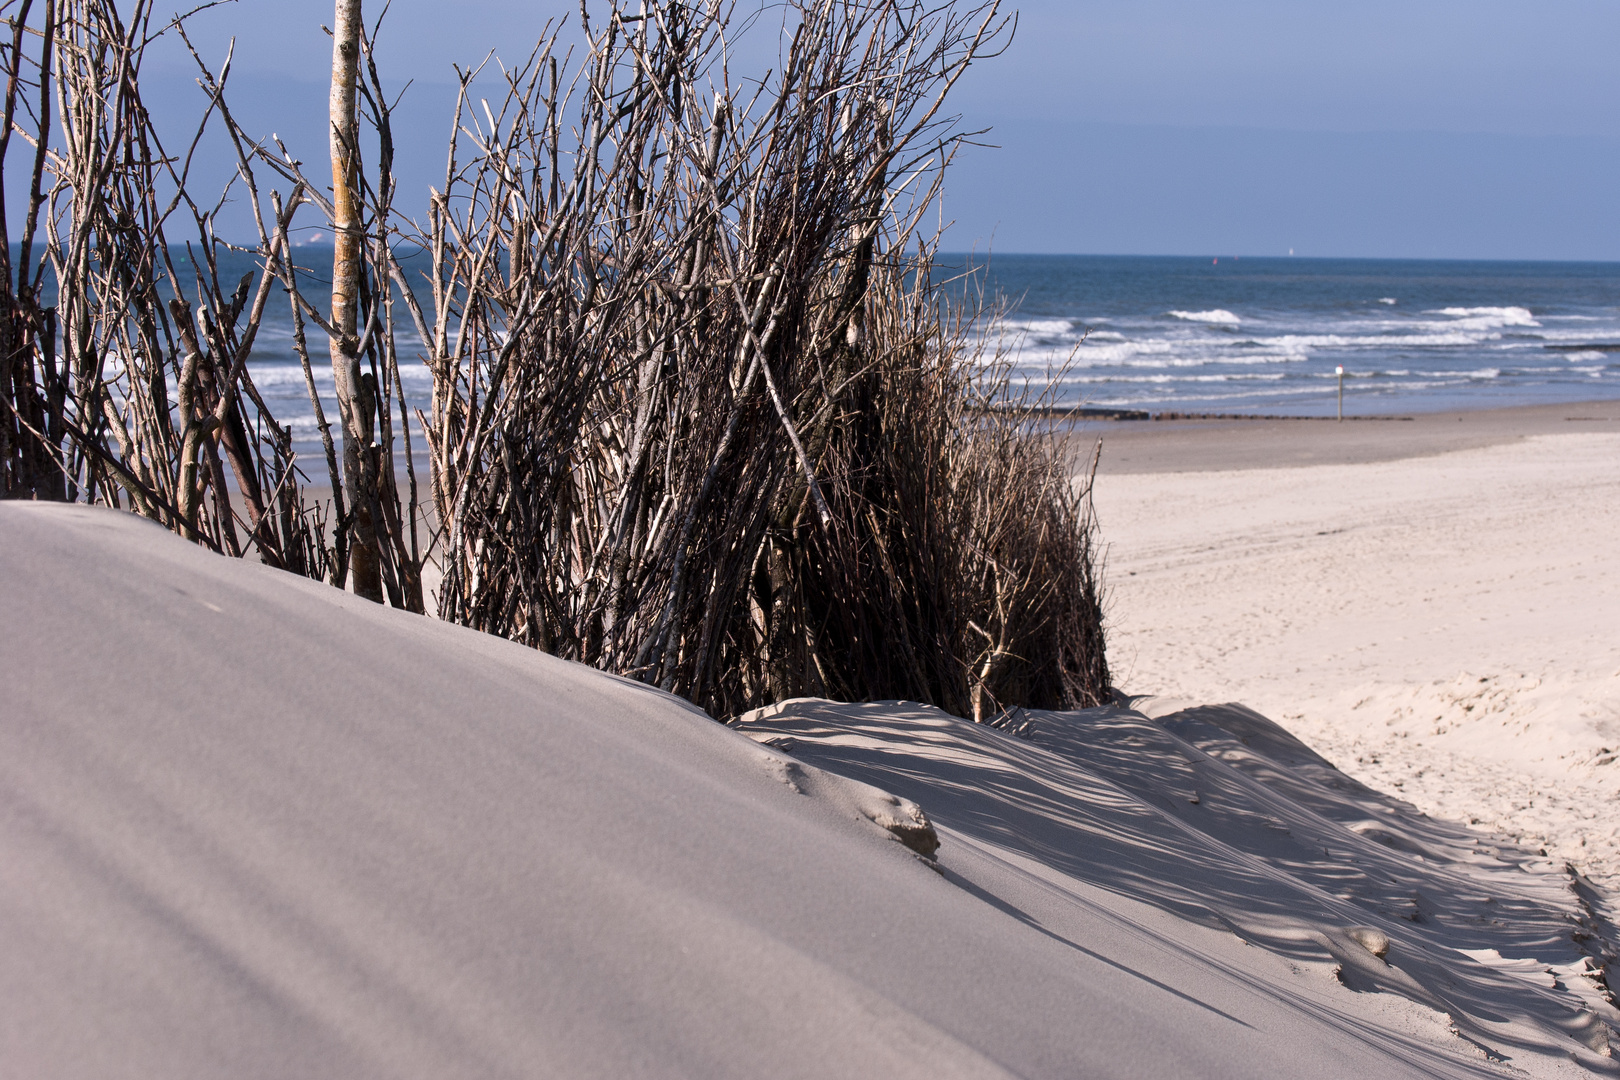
(358, 411)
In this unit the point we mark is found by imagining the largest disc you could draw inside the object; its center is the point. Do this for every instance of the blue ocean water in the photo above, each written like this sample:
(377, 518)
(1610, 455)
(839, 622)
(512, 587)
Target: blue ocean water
(273, 364)
(1265, 335)
(1244, 335)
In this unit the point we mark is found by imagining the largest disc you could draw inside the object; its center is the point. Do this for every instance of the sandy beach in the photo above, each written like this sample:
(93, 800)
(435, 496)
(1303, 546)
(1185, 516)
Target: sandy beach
(809, 542)
(402, 848)
(1433, 603)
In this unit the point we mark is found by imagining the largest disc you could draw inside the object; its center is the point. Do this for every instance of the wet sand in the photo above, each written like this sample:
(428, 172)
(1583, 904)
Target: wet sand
(1166, 446)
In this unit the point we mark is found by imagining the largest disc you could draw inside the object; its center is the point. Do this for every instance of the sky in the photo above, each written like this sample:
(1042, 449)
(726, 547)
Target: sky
(1359, 128)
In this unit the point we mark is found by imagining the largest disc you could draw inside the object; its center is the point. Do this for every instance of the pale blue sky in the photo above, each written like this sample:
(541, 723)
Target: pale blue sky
(1424, 128)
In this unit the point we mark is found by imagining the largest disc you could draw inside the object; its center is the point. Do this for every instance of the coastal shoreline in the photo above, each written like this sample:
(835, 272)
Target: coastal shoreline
(1132, 447)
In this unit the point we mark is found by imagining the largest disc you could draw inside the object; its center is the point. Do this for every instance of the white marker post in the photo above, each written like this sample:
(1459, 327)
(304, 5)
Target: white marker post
(1340, 370)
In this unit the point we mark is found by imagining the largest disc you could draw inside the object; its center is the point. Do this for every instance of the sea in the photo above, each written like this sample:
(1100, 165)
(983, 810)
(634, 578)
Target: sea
(1268, 336)
(1216, 334)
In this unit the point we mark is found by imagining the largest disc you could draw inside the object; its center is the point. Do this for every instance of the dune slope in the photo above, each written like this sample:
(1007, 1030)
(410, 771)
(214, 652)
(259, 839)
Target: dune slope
(1220, 819)
(251, 826)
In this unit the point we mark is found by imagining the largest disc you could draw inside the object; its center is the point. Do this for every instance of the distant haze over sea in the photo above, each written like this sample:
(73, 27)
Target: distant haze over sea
(1264, 335)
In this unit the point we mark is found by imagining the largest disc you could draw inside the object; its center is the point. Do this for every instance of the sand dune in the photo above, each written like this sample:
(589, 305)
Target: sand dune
(254, 827)
(1215, 819)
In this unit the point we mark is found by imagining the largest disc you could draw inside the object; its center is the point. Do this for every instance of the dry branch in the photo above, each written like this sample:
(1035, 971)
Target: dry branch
(700, 413)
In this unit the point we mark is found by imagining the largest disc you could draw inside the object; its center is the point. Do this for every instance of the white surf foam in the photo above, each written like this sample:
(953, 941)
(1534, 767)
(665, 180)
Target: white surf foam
(1040, 327)
(1491, 316)
(1228, 377)
(1453, 376)
(1216, 317)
